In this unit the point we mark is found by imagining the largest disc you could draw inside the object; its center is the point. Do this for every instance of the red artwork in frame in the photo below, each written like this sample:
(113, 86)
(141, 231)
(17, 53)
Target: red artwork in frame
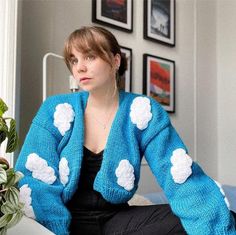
(159, 80)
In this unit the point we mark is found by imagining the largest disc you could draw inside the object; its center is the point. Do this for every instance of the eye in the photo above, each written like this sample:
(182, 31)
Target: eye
(73, 61)
(90, 57)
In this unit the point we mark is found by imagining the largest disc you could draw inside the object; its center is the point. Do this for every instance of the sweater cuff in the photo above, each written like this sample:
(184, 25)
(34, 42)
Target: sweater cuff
(60, 227)
(226, 231)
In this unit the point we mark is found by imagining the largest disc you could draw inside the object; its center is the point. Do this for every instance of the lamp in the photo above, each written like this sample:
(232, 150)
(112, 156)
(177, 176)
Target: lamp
(73, 86)
(45, 71)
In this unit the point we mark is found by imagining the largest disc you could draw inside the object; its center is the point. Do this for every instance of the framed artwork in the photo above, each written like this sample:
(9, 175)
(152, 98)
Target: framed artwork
(113, 13)
(126, 79)
(159, 21)
(159, 80)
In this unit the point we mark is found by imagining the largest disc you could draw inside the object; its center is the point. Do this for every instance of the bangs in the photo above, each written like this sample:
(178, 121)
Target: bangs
(86, 41)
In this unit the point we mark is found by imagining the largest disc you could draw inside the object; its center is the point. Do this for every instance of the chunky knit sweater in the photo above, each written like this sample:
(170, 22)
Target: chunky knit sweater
(51, 158)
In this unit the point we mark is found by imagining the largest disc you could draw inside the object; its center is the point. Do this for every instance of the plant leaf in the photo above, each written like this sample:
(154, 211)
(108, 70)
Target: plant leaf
(15, 219)
(10, 177)
(18, 177)
(10, 172)
(8, 208)
(3, 130)
(12, 137)
(3, 166)
(3, 136)
(3, 176)
(12, 196)
(3, 107)
(3, 231)
(5, 219)
(3, 125)
(13, 177)
(21, 205)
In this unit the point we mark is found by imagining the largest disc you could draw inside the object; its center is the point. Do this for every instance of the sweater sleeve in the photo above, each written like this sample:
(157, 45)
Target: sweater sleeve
(194, 197)
(40, 188)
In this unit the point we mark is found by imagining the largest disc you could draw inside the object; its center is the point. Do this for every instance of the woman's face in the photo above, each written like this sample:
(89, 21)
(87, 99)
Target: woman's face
(91, 72)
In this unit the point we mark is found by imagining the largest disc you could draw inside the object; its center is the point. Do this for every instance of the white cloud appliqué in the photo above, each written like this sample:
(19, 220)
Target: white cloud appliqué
(125, 175)
(223, 193)
(63, 117)
(181, 168)
(40, 169)
(25, 198)
(140, 112)
(64, 171)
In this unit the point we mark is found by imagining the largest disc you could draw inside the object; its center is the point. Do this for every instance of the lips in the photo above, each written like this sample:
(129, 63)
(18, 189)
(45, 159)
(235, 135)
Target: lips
(84, 79)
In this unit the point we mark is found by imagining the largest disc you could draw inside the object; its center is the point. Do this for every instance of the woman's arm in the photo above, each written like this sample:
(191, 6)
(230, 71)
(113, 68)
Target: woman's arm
(40, 188)
(194, 197)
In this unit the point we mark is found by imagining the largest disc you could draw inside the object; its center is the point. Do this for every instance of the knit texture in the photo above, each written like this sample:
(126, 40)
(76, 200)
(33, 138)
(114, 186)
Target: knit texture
(193, 196)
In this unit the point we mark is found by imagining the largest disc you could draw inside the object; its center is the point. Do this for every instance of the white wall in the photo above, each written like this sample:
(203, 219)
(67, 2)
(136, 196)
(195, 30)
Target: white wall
(46, 24)
(226, 64)
(206, 86)
(216, 84)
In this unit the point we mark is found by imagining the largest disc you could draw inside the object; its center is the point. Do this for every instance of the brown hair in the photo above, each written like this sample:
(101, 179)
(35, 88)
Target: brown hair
(98, 40)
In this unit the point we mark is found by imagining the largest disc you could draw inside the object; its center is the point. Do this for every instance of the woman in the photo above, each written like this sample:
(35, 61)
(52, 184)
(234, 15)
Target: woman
(81, 157)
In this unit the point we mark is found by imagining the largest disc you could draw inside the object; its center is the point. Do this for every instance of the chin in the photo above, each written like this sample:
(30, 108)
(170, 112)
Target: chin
(84, 88)
(87, 88)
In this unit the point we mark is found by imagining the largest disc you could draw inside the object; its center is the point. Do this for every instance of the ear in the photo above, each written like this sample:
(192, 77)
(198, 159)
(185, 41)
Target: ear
(117, 60)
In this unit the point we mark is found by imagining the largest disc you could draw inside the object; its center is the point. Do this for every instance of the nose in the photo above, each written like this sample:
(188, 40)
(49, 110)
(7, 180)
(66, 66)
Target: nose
(81, 67)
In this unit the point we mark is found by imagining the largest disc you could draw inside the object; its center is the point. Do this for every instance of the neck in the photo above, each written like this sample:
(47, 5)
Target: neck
(102, 100)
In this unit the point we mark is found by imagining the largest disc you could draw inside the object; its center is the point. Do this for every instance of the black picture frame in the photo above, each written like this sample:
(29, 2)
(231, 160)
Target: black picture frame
(159, 80)
(113, 14)
(126, 79)
(159, 21)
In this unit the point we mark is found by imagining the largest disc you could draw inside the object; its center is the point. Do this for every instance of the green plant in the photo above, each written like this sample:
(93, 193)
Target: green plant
(10, 206)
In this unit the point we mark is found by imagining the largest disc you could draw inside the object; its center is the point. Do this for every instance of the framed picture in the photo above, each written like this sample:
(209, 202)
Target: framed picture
(113, 13)
(159, 21)
(159, 80)
(126, 79)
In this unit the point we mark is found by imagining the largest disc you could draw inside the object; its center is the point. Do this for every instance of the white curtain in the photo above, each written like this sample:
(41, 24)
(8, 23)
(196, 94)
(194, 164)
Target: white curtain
(8, 42)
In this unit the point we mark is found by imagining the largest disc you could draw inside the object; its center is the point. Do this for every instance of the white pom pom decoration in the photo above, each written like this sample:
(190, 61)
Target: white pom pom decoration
(125, 175)
(181, 166)
(63, 117)
(140, 112)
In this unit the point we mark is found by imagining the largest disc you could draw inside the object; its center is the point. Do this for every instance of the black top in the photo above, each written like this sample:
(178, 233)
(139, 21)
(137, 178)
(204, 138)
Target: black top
(85, 197)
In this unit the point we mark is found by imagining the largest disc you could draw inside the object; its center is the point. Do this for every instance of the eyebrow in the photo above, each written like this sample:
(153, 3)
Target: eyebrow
(71, 55)
(89, 51)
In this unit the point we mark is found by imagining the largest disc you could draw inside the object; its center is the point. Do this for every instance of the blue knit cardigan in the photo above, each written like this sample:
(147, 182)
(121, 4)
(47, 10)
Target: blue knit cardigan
(51, 158)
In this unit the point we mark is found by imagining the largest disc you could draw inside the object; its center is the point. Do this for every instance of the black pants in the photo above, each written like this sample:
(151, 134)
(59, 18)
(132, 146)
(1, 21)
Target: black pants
(138, 220)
